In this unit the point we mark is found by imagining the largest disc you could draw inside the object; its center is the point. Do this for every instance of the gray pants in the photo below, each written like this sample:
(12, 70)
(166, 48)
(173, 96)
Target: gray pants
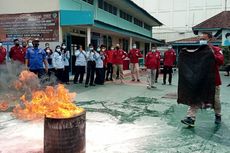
(192, 110)
(151, 76)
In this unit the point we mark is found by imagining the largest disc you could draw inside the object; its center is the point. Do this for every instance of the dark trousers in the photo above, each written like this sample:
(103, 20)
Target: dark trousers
(157, 74)
(109, 71)
(100, 76)
(51, 71)
(59, 74)
(227, 69)
(66, 74)
(167, 70)
(79, 71)
(90, 72)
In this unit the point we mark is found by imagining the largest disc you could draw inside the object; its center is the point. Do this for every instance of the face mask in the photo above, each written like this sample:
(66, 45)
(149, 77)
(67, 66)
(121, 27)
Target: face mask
(112, 48)
(203, 42)
(91, 48)
(30, 44)
(75, 48)
(58, 49)
(0, 44)
(170, 47)
(103, 50)
(48, 51)
(153, 50)
(134, 47)
(98, 49)
(64, 47)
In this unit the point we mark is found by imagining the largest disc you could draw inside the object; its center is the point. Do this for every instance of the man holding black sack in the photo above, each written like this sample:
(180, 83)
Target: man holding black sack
(199, 79)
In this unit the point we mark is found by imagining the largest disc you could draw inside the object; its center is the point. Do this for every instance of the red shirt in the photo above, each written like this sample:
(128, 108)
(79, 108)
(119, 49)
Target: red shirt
(219, 58)
(169, 57)
(119, 56)
(134, 54)
(2, 55)
(17, 53)
(158, 58)
(151, 60)
(109, 55)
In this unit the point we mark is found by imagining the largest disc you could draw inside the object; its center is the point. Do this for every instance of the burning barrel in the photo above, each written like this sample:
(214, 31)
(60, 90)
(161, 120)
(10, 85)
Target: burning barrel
(65, 135)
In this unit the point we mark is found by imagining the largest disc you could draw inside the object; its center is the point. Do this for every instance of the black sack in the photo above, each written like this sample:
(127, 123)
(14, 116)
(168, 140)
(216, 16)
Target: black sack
(196, 86)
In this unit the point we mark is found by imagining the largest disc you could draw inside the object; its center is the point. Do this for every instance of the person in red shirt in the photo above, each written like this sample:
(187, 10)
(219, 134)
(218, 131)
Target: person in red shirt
(151, 63)
(158, 55)
(219, 60)
(17, 53)
(118, 56)
(2, 54)
(169, 59)
(109, 59)
(134, 55)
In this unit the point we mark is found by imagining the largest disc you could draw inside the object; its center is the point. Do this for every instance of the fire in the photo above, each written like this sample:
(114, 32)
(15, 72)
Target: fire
(4, 106)
(53, 102)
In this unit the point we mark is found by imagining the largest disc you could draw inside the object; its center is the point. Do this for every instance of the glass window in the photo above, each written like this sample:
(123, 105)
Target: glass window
(138, 22)
(107, 7)
(89, 1)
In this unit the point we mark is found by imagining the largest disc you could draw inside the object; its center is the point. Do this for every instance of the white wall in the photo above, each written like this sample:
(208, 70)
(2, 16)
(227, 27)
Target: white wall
(27, 6)
(179, 16)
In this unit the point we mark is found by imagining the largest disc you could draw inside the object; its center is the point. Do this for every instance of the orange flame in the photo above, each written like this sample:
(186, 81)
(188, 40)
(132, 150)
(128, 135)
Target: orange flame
(4, 106)
(54, 102)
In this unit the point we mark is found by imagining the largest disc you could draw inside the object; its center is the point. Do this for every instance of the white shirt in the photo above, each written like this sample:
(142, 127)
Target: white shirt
(57, 60)
(80, 58)
(99, 60)
(66, 57)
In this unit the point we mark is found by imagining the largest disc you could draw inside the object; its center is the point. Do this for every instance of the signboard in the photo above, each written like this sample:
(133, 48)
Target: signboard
(226, 37)
(43, 26)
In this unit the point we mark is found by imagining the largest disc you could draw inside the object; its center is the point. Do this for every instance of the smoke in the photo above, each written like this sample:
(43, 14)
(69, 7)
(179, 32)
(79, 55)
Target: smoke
(15, 81)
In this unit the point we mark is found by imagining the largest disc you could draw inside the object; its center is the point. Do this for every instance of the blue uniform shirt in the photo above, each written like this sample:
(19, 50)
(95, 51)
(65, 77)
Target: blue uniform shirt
(35, 58)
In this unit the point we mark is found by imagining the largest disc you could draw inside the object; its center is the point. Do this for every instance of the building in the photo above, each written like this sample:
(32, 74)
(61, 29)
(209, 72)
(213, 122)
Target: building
(179, 16)
(78, 22)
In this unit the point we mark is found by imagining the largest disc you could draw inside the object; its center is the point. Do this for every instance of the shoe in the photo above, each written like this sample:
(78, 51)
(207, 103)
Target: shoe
(226, 75)
(153, 87)
(156, 81)
(170, 84)
(111, 79)
(163, 83)
(75, 82)
(228, 85)
(188, 121)
(133, 79)
(217, 119)
(86, 86)
(148, 87)
(92, 85)
(138, 80)
(106, 79)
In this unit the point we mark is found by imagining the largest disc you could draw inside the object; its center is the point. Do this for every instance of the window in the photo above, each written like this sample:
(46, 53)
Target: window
(126, 16)
(138, 22)
(89, 1)
(107, 7)
(148, 27)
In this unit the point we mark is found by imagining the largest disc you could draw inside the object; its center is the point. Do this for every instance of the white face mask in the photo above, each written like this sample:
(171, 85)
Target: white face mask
(58, 49)
(30, 44)
(153, 50)
(103, 50)
(91, 48)
(0, 44)
(64, 47)
(134, 47)
(203, 42)
(112, 48)
(48, 51)
(169, 47)
(98, 49)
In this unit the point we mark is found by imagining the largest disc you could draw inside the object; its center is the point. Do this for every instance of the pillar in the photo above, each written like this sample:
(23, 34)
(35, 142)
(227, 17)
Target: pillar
(88, 36)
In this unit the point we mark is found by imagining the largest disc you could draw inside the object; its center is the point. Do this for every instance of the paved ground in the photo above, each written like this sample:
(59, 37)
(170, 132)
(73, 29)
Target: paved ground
(131, 119)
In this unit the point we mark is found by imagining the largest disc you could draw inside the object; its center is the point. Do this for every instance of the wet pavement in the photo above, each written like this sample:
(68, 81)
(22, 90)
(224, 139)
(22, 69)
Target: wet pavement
(130, 118)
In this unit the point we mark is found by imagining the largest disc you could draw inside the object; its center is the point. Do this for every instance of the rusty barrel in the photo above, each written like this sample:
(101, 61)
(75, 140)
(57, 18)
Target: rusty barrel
(65, 135)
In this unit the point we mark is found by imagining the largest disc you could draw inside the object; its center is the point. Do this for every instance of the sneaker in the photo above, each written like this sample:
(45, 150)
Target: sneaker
(217, 119)
(138, 80)
(170, 83)
(163, 83)
(156, 81)
(148, 87)
(133, 79)
(86, 86)
(111, 79)
(188, 121)
(228, 85)
(153, 87)
(106, 79)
